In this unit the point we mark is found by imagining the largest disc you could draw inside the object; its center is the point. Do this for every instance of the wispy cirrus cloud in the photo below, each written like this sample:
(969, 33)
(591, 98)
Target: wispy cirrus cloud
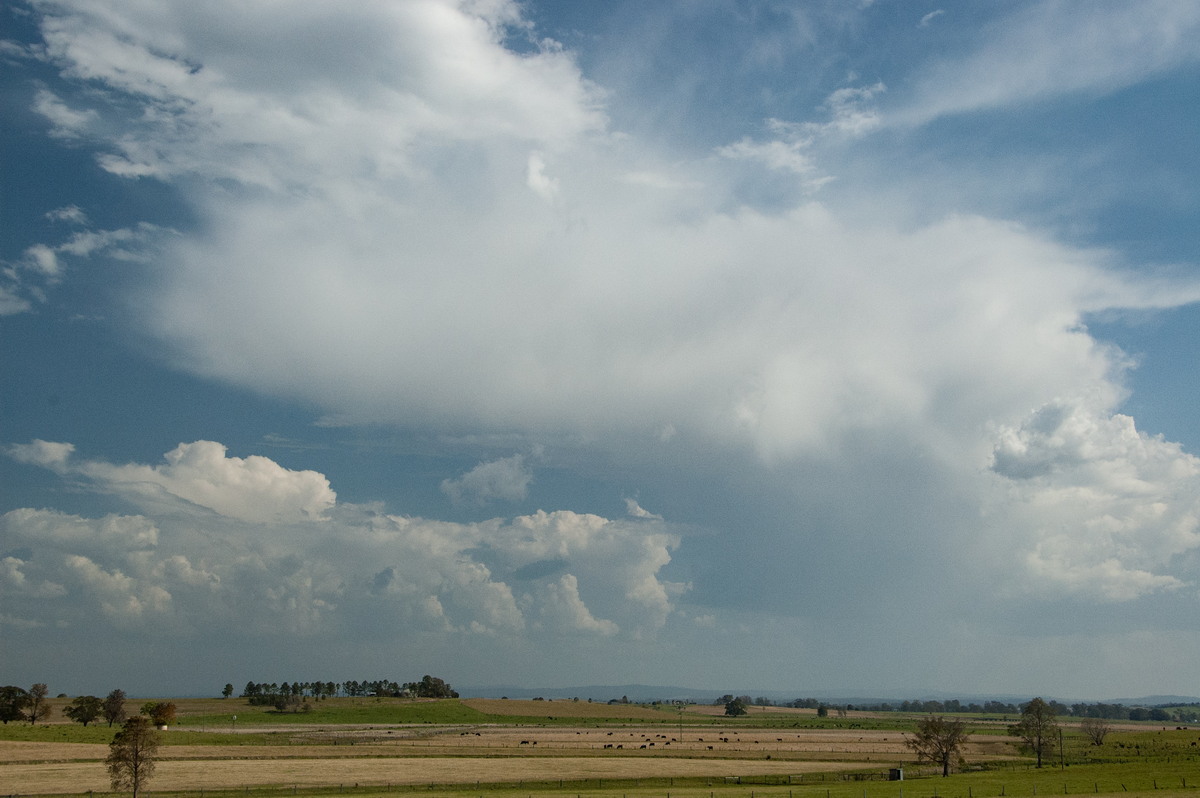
(1048, 49)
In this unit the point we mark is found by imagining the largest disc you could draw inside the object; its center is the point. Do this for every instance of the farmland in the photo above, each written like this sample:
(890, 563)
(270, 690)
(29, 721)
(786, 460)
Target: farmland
(557, 749)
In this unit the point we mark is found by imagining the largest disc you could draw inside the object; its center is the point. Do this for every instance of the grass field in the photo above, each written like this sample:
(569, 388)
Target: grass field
(573, 749)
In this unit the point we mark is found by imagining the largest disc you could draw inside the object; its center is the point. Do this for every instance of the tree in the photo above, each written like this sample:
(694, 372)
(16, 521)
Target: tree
(1037, 728)
(430, 687)
(85, 709)
(1095, 729)
(131, 755)
(938, 740)
(13, 701)
(114, 707)
(161, 713)
(228, 691)
(735, 707)
(37, 708)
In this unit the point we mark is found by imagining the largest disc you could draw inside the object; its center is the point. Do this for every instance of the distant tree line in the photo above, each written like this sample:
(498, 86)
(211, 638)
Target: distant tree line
(1106, 711)
(293, 695)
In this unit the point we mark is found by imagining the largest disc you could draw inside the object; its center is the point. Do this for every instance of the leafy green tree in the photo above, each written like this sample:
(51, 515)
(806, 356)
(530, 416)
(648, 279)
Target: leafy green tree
(131, 754)
(114, 707)
(13, 701)
(1038, 727)
(939, 741)
(735, 708)
(161, 713)
(37, 708)
(228, 691)
(85, 709)
(430, 687)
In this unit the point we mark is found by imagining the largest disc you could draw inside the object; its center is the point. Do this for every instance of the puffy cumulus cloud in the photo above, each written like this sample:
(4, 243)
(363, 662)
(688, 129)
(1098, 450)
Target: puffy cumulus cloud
(250, 489)
(1108, 511)
(63, 530)
(506, 479)
(563, 609)
(64, 568)
(47, 454)
(122, 599)
(545, 574)
(499, 576)
(16, 582)
(614, 565)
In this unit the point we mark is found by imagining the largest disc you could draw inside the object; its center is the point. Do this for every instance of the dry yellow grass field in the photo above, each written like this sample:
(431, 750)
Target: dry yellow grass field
(377, 755)
(78, 777)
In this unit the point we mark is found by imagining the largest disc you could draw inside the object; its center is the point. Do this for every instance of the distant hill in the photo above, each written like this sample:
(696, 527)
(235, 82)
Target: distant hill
(1156, 701)
(638, 693)
(642, 693)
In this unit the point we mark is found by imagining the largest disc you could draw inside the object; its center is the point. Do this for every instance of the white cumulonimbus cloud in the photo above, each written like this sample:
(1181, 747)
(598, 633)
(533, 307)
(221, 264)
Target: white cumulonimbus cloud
(414, 223)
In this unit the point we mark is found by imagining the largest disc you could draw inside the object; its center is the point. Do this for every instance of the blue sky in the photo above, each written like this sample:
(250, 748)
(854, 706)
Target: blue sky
(733, 345)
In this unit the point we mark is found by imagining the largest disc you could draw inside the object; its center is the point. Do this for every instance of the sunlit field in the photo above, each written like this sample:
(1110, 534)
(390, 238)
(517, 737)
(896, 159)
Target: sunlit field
(566, 749)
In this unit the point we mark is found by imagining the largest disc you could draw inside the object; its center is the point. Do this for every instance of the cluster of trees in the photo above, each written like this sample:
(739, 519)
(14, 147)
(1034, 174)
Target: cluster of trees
(17, 703)
(31, 705)
(941, 741)
(292, 694)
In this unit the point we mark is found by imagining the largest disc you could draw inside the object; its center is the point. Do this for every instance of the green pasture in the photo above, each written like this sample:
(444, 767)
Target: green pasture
(1128, 780)
(334, 711)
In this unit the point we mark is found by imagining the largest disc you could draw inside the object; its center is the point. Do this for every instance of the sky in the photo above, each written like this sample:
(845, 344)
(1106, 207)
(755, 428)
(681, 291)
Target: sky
(729, 344)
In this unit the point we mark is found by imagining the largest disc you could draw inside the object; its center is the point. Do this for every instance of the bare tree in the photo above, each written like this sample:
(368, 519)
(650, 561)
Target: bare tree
(131, 755)
(1095, 729)
(938, 740)
(1038, 727)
